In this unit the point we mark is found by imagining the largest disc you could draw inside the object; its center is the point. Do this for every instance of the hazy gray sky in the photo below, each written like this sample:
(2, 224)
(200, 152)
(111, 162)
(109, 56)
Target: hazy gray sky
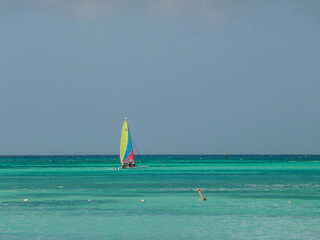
(191, 76)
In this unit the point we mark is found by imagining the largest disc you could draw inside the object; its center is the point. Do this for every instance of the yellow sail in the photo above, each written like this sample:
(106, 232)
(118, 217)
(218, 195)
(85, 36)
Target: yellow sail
(124, 140)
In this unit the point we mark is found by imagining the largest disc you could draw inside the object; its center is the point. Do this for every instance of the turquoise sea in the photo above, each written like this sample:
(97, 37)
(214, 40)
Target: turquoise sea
(84, 197)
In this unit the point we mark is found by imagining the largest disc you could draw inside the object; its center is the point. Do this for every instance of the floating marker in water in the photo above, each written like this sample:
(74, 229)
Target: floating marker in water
(26, 199)
(89, 200)
(142, 200)
(202, 197)
(289, 202)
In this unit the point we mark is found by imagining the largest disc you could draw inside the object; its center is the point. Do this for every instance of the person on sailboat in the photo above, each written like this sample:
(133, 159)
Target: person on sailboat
(128, 165)
(131, 164)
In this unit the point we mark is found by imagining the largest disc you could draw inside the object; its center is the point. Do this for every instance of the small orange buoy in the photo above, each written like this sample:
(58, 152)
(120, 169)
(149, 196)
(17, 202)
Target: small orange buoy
(202, 197)
(142, 200)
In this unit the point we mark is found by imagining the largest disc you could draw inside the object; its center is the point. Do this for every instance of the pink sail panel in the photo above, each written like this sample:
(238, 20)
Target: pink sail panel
(130, 158)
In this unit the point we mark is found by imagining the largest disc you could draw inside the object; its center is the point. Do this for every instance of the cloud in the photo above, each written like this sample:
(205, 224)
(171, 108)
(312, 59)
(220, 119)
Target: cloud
(202, 8)
(91, 9)
(84, 9)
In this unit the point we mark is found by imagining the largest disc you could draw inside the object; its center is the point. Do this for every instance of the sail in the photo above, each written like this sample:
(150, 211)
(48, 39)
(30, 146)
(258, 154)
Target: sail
(126, 150)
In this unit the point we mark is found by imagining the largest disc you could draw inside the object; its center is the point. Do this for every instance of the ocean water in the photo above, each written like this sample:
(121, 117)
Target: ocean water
(84, 197)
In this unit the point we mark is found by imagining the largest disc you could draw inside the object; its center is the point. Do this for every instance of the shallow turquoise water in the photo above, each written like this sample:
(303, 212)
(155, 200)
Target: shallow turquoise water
(84, 197)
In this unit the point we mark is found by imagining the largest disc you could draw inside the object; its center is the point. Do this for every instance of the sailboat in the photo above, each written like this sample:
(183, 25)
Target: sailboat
(126, 150)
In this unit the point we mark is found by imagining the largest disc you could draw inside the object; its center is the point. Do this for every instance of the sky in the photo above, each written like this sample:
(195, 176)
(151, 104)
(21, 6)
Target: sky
(192, 77)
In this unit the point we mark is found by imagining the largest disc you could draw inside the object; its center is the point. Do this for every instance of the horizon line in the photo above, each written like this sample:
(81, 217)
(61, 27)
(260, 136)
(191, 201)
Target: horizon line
(162, 154)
